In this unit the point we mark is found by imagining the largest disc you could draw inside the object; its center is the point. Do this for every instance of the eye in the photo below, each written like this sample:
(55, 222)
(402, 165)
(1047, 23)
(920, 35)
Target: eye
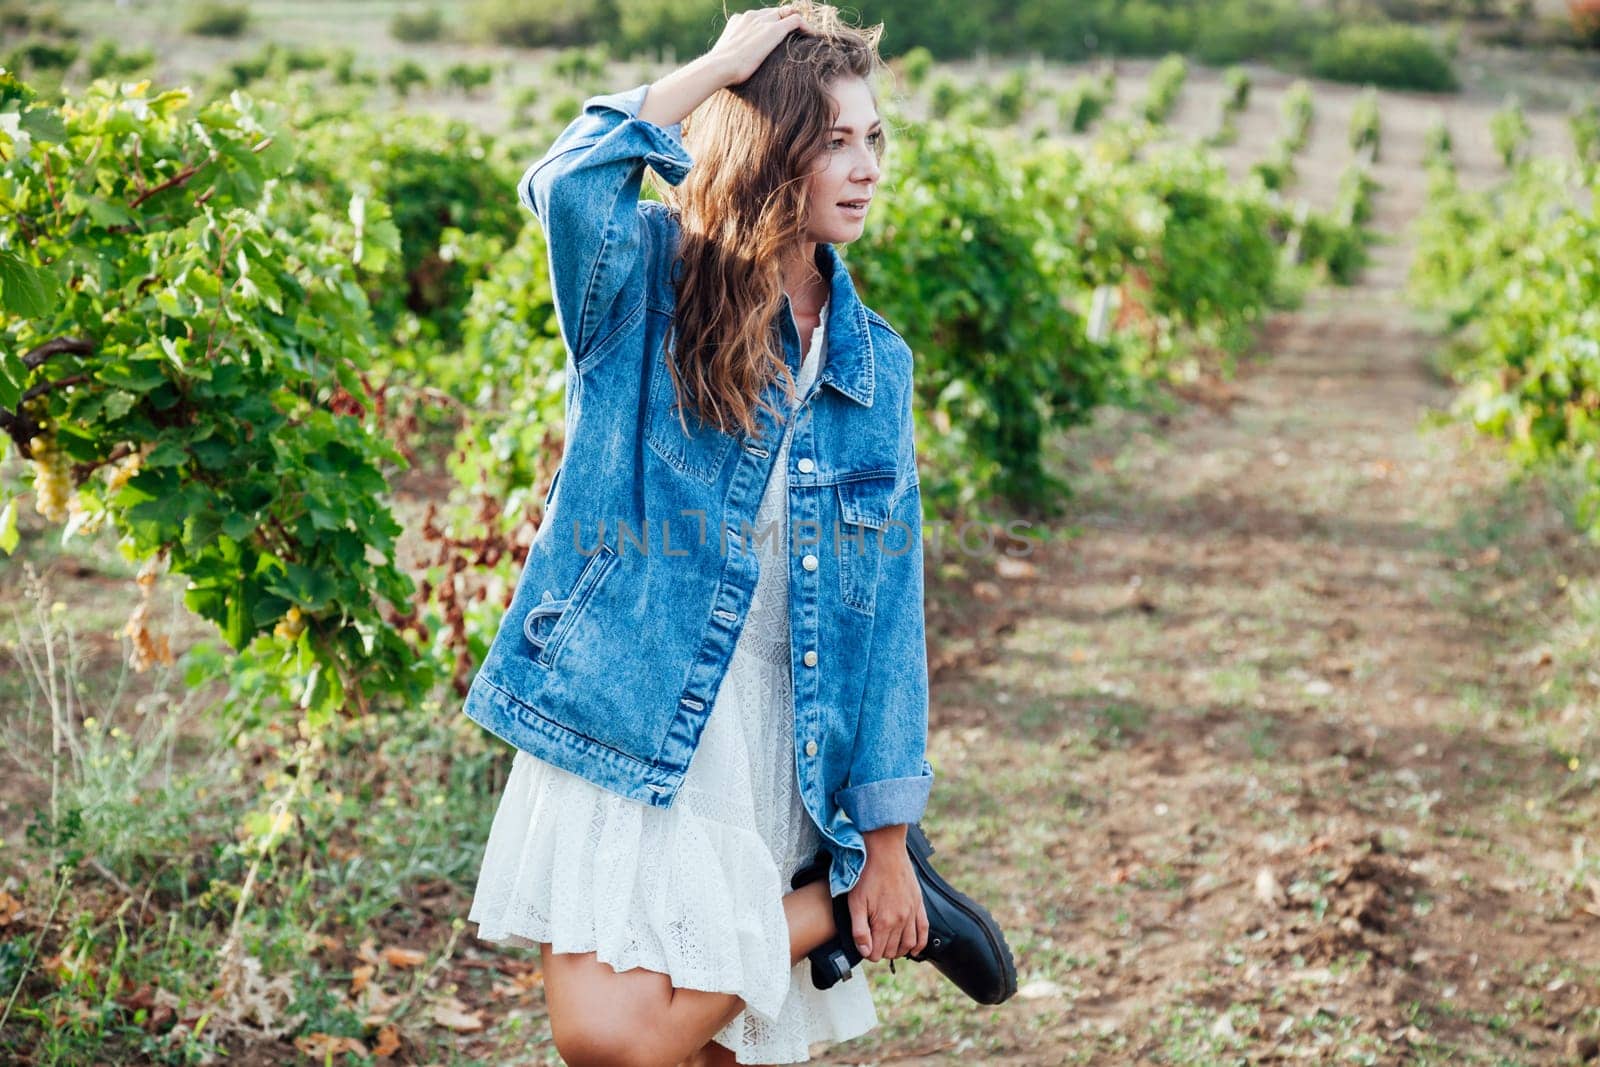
(876, 135)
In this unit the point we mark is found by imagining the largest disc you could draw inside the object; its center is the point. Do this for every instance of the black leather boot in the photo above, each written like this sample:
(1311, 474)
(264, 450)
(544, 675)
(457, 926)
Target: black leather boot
(833, 960)
(965, 944)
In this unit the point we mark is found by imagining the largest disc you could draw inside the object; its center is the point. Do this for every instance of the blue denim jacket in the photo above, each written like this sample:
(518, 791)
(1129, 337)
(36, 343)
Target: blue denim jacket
(634, 591)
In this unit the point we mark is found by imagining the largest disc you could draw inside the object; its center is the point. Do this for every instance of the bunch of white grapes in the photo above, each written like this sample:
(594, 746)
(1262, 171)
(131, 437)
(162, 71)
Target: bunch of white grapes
(51, 486)
(126, 468)
(291, 625)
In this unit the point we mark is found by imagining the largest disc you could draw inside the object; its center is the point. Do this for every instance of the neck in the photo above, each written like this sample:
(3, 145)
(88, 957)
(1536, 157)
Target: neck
(802, 278)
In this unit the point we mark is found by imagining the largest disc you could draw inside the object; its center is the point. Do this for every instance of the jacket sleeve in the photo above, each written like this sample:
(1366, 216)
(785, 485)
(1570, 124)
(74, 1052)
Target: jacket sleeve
(585, 193)
(890, 778)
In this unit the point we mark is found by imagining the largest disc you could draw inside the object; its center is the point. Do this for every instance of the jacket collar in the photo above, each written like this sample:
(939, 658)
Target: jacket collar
(849, 363)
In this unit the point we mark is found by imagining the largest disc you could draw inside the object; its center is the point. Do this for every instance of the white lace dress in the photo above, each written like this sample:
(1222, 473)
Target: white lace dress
(695, 890)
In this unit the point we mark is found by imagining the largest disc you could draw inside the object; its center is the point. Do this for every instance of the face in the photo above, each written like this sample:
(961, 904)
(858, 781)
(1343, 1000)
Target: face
(848, 169)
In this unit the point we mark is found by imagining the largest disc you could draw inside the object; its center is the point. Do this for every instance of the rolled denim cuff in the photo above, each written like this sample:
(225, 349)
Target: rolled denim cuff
(666, 151)
(872, 805)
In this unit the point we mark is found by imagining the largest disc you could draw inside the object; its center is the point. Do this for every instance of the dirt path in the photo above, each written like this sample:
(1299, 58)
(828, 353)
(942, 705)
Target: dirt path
(1248, 779)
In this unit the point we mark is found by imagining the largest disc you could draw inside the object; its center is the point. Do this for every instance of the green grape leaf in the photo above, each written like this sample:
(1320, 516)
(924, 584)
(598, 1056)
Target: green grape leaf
(25, 290)
(43, 124)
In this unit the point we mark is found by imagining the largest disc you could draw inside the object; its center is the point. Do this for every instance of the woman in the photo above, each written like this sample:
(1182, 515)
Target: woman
(721, 739)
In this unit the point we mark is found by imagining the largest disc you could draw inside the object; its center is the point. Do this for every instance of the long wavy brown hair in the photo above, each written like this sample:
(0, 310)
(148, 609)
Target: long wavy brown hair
(743, 204)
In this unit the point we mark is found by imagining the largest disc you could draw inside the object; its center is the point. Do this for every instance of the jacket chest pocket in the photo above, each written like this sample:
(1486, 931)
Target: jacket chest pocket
(699, 451)
(548, 623)
(864, 509)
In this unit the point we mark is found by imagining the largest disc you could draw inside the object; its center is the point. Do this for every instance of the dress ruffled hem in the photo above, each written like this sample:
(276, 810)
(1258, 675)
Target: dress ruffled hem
(587, 870)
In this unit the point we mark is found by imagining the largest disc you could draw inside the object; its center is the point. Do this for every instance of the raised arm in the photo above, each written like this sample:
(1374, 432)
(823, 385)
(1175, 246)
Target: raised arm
(585, 189)
(585, 193)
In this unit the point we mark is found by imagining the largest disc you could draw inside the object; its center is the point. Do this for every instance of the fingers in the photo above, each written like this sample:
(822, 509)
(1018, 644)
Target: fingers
(892, 937)
(787, 14)
(895, 944)
(784, 11)
(913, 939)
(861, 929)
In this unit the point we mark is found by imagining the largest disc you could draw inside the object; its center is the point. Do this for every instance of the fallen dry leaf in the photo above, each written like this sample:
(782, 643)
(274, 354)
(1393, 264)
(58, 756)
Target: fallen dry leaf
(378, 1005)
(452, 1014)
(360, 977)
(520, 985)
(10, 908)
(388, 1042)
(321, 1046)
(395, 956)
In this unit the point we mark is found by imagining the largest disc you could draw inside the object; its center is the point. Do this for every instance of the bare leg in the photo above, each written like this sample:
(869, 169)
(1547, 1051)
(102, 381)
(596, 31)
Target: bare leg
(810, 913)
(602, 1016)
(711, 1054)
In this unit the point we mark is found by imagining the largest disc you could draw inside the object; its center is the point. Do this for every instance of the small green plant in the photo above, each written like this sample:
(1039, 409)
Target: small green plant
(1238, 83)
(1276, 171)
(38, 55)
(563, 108)
(1011, 96)
(1438, 148)
(1584, 125)
(916, 65)
(1509, 129)
(1226, 133)
(575, 65)
(1081, 104)
(407, 75)
(521, 103)
(1298, 111)
(342, 65)
(217, 20)
(468, 76)
(1365, 125)
(944, 96)
(417, 27)
(1353, 202)
(1166, 83)
(106, 60)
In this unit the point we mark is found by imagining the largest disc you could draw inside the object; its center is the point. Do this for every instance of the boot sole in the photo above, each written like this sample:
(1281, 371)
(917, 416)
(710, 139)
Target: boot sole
(920, 848)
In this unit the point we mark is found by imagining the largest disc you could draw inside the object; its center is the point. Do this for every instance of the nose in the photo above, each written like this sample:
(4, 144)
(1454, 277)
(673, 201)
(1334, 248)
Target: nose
(867, 170)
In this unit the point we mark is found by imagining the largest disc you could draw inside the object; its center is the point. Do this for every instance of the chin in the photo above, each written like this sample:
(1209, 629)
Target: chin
(843, 234)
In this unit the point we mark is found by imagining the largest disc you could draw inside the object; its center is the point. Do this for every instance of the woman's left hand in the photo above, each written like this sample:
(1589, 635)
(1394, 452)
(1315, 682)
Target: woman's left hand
(887, 914)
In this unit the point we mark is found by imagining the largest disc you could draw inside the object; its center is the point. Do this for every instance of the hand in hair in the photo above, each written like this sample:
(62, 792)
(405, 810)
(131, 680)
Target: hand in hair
(750, 36)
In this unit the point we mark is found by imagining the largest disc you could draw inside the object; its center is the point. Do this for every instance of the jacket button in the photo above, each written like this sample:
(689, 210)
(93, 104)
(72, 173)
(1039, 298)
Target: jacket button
(811, 748)
(805, 465)
(809, 562)
(810, 657)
